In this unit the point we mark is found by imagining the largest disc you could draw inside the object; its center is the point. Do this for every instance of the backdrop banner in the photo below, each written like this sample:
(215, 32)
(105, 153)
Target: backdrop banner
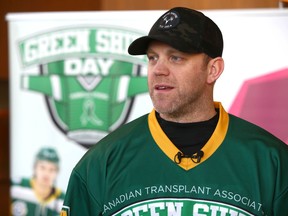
(72, 82)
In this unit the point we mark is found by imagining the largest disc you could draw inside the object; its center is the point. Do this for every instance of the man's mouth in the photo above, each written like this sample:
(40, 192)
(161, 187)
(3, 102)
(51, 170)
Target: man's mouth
(163, 87)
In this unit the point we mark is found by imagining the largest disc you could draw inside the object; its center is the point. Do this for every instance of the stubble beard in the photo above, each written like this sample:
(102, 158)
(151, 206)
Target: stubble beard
(170, 109)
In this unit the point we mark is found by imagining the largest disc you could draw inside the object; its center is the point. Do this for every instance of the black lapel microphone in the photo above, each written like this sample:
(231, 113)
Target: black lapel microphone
(196, 158)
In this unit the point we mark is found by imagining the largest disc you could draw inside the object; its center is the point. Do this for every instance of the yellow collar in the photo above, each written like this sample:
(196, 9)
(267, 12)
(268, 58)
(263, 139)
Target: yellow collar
(209, 148)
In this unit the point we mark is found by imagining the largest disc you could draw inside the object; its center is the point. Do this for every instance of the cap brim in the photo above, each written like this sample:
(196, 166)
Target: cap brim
(140, 45)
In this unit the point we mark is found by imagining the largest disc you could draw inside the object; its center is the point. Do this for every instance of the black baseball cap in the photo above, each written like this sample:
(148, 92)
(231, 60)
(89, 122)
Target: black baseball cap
(184, 29)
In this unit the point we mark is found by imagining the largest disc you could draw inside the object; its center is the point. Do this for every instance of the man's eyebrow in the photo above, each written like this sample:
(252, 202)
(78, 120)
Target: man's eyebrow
(149, 50)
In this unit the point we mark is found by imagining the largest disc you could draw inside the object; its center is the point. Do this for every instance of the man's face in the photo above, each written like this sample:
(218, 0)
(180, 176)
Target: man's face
(45, 173)
(177, 81)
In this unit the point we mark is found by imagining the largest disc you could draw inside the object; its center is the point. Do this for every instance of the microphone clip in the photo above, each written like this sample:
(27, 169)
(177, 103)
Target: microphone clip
(196, 158)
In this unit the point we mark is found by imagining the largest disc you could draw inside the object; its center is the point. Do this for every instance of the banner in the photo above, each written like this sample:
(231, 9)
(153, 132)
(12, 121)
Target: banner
(72, 82)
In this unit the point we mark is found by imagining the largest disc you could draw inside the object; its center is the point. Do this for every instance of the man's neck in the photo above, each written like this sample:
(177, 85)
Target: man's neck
(190, 116)
(189, 137)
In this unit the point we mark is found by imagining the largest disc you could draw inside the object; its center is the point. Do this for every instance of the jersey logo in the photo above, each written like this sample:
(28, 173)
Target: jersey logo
(181, 207)
(19, 208)
(88, 79)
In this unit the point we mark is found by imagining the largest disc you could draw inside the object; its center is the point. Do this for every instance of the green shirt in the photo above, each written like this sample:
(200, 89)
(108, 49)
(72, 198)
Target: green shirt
(132, 171)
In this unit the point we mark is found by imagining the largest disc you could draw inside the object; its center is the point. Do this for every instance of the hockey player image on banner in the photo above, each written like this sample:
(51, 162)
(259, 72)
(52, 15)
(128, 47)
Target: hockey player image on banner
(38, 196)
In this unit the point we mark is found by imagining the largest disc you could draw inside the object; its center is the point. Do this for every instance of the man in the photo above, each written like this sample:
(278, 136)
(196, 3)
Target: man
(188, 156)
(38, 196)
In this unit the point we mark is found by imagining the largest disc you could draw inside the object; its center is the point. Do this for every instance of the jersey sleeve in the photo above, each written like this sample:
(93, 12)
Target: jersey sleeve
(280, 205)
(48, 85)
(78, 200)
(130, 86)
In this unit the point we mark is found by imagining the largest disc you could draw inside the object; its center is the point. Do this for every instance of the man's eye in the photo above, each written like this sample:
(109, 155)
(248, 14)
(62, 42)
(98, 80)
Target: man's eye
(151, 58)
(175, 58)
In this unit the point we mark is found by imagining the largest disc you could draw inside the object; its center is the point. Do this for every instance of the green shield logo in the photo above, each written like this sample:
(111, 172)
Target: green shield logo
(88, 79)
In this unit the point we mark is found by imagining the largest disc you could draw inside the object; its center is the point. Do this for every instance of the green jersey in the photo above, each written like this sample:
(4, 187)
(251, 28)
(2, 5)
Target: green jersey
(133, 172)
(26, 203)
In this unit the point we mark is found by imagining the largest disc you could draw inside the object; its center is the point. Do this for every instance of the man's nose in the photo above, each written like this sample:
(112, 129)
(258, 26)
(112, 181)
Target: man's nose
(161, 67)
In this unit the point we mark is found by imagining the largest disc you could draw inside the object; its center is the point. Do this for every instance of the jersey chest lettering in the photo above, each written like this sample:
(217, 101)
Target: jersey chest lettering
(178, 207)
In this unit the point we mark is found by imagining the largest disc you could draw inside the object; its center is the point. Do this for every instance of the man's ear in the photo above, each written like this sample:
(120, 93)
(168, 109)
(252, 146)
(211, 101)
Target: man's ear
(215, 67)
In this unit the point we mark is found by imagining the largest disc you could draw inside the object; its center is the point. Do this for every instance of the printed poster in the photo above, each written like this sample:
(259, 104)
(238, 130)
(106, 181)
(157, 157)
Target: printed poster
(72, 82)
